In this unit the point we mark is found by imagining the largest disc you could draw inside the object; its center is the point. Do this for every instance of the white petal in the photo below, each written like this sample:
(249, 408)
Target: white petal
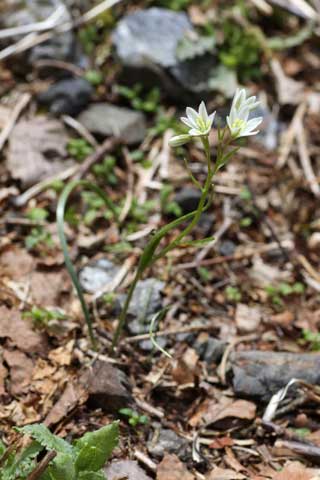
(248, 134)
(203, 112)
(195, 132)
(253, 123)
(192, 114)
(211, 117)
(188, 122)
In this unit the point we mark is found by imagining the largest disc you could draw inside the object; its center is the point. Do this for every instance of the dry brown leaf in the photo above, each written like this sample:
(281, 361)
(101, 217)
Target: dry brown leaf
(224, 474)
(247, 318)
(241, 409)
(20, 367)
(297, 471)
(62, 355)
(72, 396)
(37, 150)
(184, 370)
(3, 376)
(221, 442)
(125, 470)
(171, 468)
(20, 332)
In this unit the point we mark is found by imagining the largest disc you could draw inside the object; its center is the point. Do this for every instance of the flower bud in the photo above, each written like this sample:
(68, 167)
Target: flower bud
(179, 140)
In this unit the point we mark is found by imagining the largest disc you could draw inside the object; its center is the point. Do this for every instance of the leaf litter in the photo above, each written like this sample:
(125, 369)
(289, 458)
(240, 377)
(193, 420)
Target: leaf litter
(243, 319)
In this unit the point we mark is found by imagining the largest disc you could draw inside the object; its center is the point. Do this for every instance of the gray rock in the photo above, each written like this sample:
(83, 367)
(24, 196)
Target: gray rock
(226, 248)
(146, 43)
(167, 441)
(68, 96)
(188, 199)
(150, 37)
(125, 469)
(96, 275)
(108, 387)
(59, 47)
(105, 119)
(209, 349)
(261, 374)
(146, 301)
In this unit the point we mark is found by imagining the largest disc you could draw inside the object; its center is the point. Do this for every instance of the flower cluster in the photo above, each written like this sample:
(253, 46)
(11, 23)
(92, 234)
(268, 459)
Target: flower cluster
(239, 125)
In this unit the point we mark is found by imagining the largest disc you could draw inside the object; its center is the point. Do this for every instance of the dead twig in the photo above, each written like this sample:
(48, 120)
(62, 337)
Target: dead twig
(305, 159)
(20, 106)
(41, 467)
(107, 146)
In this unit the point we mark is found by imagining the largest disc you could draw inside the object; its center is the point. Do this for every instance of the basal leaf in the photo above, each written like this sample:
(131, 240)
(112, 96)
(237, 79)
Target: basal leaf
(61, 468)
(42, 435)
(91, 476)
(94, 448)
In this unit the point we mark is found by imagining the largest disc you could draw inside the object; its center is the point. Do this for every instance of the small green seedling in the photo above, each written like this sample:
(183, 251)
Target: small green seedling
(134, 418)
(278, 292)
(312, 338)
(233, 294)
(84, 459)
(79, 148)
(41, 316)
(139, 100)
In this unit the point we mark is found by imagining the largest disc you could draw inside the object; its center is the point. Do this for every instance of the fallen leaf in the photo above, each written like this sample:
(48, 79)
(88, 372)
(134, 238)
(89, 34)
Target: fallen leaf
(241, 409)
(290, 92)
(297, 471)
(62, 355)
(184, 370)
(72, 396)
(125, 470)
(221, 442)
(20, 368)
(224, 474)
(171, 468)
(20, 332)
(247, 318)
(3, 376)
(37, 150)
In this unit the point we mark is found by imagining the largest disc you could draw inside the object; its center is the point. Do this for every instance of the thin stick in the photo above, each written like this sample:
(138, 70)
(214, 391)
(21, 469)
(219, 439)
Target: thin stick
(50, 22)
(305, 159)
(107, 146)
(167, 333)
(41, 467)
(19, 107)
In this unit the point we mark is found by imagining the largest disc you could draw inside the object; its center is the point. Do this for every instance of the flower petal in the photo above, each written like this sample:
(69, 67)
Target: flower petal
(203, 112)
(192, 114)
(253, 123)
(187, 122)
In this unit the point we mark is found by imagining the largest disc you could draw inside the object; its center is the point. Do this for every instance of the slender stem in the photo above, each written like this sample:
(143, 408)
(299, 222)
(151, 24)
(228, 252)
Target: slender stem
(124, 311)
(204, 195)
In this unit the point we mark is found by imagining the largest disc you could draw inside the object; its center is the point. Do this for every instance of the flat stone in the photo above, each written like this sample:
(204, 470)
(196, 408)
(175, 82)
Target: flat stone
(146, 43)
(150, 36)
(262, 374)
(208, 348)
(108, 387)
(96, 275)
(146, 300)
(125, 469)
(105, 119)
(68, 96)
(167, 441)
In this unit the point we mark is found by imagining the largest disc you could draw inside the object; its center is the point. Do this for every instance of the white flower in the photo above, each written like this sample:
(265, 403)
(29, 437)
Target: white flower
(237, 121)
(200, 122)
(179, 140)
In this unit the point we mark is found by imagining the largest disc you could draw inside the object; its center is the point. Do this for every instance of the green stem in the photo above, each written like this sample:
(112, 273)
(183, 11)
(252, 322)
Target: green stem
(60, 224)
